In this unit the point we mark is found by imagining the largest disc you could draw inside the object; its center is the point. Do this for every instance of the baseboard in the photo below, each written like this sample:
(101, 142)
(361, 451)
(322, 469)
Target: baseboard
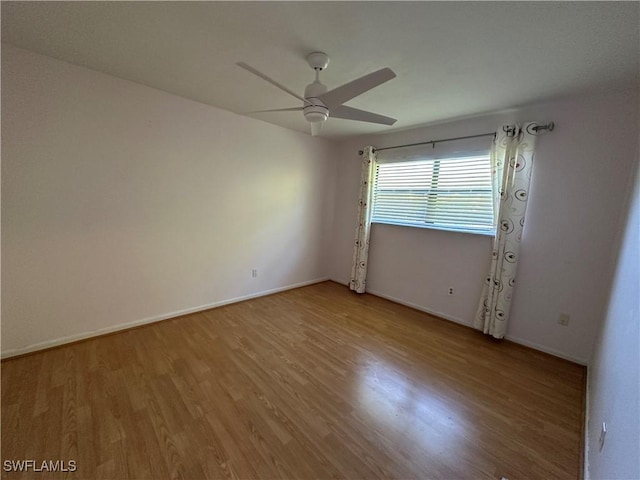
(585, 450)
(136, 323)
(420, 307)
(550, 351)
(341, 281)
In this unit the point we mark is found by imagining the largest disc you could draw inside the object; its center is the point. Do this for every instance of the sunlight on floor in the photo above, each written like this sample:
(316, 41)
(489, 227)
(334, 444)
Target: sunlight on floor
(407, 410)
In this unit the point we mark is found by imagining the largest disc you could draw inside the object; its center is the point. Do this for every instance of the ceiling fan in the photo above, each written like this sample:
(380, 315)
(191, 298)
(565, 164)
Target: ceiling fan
(319, 104)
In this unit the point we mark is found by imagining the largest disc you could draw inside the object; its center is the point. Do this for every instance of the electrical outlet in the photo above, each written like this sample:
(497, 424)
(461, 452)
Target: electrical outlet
(603, 434)
(563, 319)
(450, 290)
(254, 272)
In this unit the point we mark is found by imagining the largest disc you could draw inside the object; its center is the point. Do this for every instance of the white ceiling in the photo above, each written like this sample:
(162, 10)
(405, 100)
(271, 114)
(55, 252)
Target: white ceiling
(452, 59)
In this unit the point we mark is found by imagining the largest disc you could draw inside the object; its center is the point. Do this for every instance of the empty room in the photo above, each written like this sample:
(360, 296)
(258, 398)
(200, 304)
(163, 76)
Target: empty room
(313, 240)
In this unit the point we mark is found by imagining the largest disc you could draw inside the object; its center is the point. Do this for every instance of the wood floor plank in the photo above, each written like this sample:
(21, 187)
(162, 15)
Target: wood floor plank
(316, 382)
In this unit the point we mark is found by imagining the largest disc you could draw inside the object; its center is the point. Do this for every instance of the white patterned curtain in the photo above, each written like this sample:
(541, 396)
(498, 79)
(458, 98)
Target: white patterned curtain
(363, 227)
(512, 162)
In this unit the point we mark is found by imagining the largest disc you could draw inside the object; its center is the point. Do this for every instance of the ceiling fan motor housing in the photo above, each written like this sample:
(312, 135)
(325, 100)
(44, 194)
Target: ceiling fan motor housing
(315, 110)
(314, 89)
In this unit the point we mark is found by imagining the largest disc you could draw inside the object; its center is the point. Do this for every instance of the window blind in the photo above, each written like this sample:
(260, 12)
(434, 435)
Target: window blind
(443, 193)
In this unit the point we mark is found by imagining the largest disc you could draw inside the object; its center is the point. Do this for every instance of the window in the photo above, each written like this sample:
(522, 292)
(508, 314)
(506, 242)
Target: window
(442, 193)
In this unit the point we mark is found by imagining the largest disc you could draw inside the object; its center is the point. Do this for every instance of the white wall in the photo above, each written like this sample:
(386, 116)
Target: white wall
(614, 378)
(121, 203)
(566, 257)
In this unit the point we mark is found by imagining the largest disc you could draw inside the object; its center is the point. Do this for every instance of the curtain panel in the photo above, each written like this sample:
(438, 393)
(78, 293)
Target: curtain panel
(512, 155)
(363, 226)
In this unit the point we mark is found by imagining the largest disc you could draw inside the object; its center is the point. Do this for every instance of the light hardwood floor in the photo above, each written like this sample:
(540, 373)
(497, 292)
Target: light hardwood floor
(316, 382)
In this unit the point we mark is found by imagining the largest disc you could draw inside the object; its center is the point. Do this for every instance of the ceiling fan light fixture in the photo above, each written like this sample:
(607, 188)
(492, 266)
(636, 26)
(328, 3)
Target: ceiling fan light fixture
(316, 113)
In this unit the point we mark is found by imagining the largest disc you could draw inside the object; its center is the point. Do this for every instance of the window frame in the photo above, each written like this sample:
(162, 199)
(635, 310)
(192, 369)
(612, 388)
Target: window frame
(433, 193)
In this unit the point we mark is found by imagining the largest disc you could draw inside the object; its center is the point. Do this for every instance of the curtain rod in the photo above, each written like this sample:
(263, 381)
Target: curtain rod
(536, 128)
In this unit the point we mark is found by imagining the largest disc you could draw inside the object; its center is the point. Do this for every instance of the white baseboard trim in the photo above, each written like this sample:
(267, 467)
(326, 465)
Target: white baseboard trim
(342, 281)
(157, 318)
(585, 466)
(420, 307)
(550, 351)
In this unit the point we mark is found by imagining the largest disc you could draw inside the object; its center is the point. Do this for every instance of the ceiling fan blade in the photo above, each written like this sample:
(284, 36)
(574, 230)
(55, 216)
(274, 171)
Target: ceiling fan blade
(346, 92)
(249, 68)
(316, 128)
(350, 113)
(292, 109)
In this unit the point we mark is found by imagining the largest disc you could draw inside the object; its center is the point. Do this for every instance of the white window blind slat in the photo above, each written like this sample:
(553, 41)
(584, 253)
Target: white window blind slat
(443, 193)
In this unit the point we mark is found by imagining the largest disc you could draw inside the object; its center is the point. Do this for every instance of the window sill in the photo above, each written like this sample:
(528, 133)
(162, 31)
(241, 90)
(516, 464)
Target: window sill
(438, 227)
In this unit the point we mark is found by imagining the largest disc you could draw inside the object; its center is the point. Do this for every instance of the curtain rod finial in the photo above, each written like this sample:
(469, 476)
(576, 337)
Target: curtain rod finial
(540, 128)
